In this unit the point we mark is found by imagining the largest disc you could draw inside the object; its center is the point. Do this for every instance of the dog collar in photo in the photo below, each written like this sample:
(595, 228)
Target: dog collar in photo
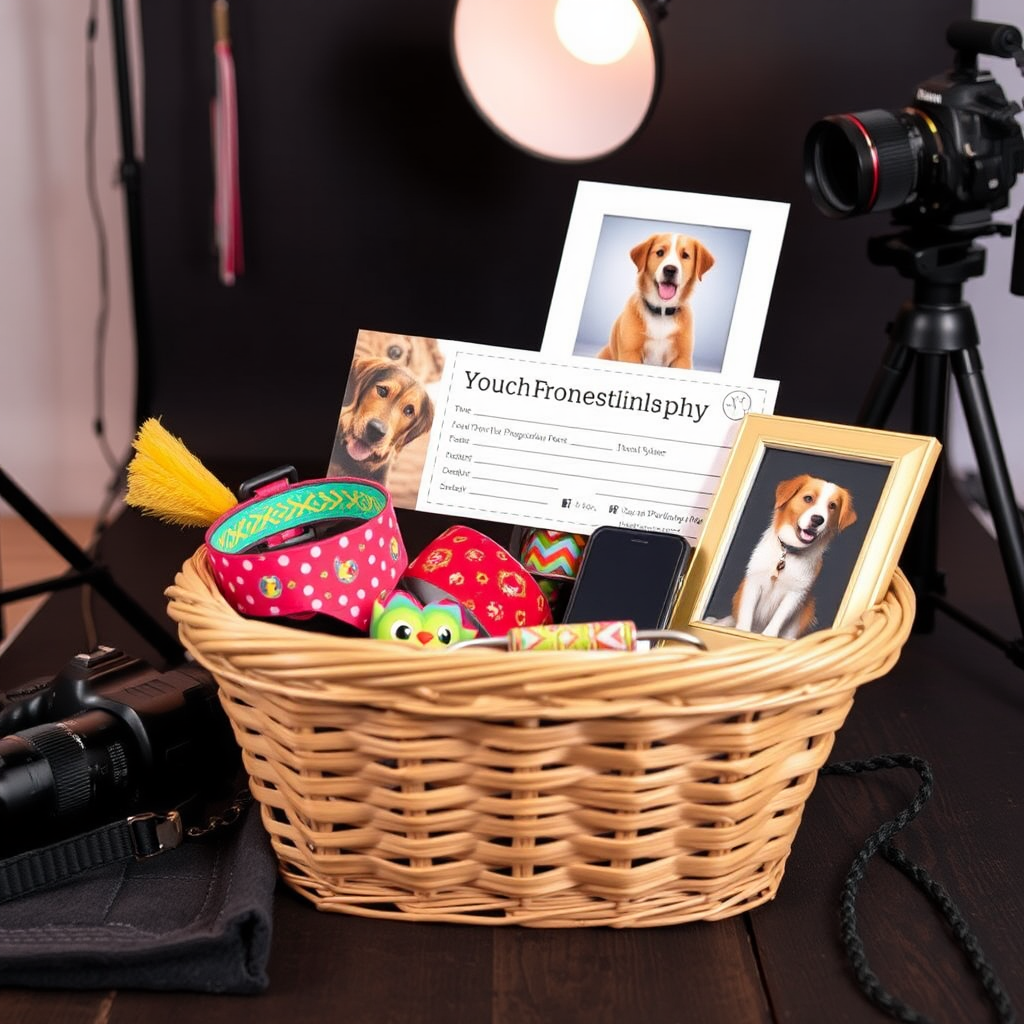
(493, 586)
(328, 546)
(661, 310)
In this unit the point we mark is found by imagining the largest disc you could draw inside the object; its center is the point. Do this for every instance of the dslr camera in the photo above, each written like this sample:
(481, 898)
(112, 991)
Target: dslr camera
(950, 158)
(108, 736)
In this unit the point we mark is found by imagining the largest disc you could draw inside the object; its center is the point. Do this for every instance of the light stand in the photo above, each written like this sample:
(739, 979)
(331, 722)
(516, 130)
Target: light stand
(131, 179)
(936, 332)
(85, 569)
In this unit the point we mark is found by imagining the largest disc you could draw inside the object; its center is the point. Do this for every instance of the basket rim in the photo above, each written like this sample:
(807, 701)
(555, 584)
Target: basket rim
(295, 664)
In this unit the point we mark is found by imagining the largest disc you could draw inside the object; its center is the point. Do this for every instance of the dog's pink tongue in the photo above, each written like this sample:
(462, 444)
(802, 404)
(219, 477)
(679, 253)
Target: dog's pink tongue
(358, 450)
(666, 290)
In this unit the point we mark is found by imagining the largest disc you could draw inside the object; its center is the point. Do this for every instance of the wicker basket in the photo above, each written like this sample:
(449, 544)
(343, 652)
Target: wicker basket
(555, 789)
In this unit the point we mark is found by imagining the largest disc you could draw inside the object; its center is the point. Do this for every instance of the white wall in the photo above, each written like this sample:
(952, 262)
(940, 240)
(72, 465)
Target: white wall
(49, 276)
(49, 296)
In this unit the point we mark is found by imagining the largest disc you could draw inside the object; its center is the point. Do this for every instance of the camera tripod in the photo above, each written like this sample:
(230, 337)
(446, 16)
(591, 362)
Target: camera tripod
(85, 570)
(937, 333)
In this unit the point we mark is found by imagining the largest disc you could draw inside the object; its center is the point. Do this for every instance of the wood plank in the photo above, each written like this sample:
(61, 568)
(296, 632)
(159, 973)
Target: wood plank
(327, 966)
(698, 971)
(27, 1006)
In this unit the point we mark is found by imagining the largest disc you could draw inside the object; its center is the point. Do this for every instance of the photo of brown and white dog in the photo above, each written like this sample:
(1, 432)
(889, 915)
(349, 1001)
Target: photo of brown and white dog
(775, 596)
(656, 325)
(385, 407)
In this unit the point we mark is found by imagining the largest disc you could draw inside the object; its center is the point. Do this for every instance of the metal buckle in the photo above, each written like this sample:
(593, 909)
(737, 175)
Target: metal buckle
(165, 829)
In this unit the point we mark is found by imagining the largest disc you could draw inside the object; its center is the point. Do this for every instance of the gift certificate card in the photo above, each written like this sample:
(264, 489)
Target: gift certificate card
(540, 441)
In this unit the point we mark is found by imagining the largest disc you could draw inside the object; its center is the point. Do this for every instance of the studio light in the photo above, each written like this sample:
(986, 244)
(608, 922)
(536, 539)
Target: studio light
(597, 31)
(569, 80)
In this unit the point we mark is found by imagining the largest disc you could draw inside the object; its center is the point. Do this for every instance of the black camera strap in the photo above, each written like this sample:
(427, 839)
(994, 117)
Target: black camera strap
(137, 837)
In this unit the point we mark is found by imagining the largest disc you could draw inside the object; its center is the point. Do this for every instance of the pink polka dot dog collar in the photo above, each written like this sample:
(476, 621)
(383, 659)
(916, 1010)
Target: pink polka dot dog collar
(328, 547)
(496, 590)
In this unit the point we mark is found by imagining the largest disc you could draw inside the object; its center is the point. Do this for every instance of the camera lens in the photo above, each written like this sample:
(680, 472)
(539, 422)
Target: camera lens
(870, 160)
(62, 770)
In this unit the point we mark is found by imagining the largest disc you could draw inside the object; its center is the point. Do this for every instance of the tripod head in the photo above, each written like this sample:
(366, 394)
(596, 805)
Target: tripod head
(939, 256)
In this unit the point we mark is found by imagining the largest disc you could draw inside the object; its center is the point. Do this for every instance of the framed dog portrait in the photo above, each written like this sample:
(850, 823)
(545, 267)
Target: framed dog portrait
(671, 279)
(805, 529)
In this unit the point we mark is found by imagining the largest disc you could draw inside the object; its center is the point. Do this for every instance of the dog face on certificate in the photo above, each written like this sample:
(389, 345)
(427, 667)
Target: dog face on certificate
(385, 408)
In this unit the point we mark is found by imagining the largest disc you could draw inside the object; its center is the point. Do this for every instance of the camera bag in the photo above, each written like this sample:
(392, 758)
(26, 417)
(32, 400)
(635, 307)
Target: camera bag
(124, 907)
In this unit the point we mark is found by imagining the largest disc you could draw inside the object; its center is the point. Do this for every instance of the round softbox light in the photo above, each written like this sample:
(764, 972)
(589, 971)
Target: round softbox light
(514, 61)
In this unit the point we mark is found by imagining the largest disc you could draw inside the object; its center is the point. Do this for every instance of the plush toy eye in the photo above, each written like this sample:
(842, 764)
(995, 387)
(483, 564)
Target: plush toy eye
(401, 630)
(394, 352)
(444, 634)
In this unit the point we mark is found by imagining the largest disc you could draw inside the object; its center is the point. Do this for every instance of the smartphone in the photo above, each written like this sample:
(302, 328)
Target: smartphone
(628, 574)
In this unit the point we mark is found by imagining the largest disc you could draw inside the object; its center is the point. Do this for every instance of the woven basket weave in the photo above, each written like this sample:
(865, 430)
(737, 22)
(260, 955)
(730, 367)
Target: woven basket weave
(555, 789)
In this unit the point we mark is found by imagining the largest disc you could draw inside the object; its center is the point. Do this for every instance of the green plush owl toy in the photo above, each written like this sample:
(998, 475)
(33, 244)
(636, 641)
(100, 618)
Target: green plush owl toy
(400, 616)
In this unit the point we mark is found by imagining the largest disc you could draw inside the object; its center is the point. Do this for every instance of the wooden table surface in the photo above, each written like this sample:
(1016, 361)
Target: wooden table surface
(953, 699)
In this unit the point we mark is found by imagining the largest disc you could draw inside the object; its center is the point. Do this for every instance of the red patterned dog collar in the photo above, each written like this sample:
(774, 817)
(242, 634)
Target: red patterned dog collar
(482, 576)
(327, 547)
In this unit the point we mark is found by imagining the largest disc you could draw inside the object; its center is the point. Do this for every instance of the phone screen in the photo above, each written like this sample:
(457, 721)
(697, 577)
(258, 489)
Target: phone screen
(628, 574)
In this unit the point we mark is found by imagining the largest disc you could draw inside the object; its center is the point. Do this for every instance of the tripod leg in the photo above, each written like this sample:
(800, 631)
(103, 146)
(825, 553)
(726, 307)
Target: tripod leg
(931, 385)
(920, 555)
(995, 477)
(885, 388)
(95, 575)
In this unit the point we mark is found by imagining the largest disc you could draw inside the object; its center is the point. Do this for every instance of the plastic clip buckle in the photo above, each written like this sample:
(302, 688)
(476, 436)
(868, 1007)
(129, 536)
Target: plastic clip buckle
(152, 834)
(273, 482)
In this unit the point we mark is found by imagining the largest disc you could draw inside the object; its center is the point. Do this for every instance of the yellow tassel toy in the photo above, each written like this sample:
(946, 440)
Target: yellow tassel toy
(166, 480)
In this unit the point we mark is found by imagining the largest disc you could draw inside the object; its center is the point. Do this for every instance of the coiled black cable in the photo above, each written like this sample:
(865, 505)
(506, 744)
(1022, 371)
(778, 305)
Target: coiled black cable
(880, 841)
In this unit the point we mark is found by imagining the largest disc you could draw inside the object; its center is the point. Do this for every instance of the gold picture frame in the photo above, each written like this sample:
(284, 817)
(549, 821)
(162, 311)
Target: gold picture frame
(739, 587)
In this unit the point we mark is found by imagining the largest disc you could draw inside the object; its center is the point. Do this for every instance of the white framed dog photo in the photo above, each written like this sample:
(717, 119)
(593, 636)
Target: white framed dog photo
(805, 529)
(672, 279)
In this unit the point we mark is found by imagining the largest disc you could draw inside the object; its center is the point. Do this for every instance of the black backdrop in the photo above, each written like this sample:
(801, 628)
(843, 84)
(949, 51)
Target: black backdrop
(374, 197)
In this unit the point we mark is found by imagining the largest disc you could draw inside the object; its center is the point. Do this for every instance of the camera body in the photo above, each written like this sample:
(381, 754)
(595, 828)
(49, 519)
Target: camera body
(106, 737)
(950, 158)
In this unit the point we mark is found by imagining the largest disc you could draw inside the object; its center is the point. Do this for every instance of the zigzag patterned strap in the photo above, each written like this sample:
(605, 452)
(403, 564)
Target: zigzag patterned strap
(611, 635)
(553, 553)
(575, 636)
(348, 553)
